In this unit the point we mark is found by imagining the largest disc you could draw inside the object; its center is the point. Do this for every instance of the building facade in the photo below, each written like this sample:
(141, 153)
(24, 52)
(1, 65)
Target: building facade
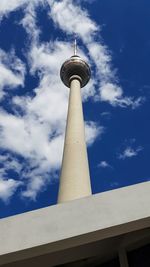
(106, 229)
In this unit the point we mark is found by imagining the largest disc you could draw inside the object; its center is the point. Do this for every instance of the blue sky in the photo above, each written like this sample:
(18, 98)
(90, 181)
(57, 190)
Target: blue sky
(36, 37)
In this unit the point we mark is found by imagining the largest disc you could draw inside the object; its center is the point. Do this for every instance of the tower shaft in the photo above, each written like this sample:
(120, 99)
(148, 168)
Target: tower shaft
(75, 178)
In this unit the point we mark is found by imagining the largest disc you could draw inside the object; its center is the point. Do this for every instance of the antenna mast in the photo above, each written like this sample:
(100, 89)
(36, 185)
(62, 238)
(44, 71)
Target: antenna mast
(75, 47)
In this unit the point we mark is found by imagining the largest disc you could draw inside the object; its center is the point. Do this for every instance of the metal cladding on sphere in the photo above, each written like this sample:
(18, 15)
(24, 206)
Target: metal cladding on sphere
(75, 66)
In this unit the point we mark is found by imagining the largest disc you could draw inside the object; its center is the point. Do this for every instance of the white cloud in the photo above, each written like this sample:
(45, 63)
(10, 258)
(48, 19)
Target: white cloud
(32, 140)
(70, 17)
(104, 164)
(92, 131)
(113, 94)
(105, 114)
(8, 188)
(35, 185)
(30, 19)
(12, 71)
(130, 152)
(8, 6)
(9, 163)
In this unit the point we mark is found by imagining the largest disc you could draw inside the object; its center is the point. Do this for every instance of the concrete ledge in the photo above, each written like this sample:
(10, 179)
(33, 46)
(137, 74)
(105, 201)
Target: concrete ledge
(75, 223)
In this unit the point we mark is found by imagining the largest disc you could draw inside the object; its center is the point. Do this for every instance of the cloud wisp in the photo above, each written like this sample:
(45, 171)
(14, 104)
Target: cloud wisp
(8, 185)
(104, 164)
(12, 72)
(130, 152)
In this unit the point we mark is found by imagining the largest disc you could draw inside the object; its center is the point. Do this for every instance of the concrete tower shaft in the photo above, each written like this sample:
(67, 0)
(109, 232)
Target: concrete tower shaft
(75, 177)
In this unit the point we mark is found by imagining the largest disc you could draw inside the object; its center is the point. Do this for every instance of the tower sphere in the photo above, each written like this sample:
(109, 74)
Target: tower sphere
(75, 67)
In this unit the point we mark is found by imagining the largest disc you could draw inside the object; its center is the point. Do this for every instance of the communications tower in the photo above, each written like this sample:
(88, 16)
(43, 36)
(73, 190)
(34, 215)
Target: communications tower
(75, 178)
